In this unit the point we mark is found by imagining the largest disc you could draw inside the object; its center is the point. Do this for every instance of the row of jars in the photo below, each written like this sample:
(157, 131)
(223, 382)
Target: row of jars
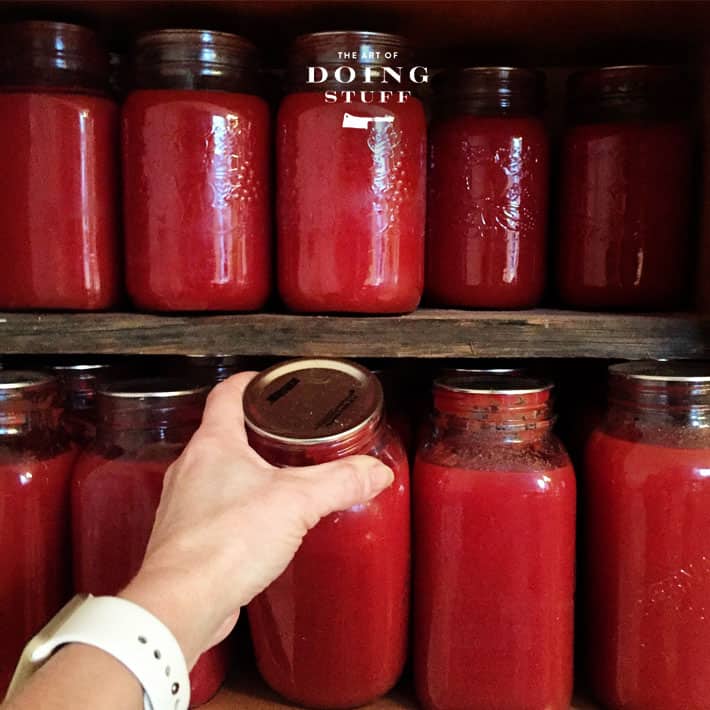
(351, 181)
(493, 505)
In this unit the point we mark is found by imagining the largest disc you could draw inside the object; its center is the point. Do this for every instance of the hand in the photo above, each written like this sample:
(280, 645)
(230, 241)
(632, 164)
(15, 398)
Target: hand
(229, 523)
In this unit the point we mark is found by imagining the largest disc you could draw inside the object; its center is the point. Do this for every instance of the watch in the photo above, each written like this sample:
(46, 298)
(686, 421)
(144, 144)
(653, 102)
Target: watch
(124, 630)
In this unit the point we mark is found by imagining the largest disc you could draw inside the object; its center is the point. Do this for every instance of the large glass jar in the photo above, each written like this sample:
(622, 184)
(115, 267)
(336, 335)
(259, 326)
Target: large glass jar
(331, 631)
(143, 426)
(626, 189)
(58, 183)
(494, 542)
(196, 174)
(35, 467)
(488, 188)
(647, 530)
(351, 177)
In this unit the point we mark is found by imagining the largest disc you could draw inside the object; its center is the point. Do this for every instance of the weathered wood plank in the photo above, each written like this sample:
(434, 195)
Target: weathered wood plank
(426, 333)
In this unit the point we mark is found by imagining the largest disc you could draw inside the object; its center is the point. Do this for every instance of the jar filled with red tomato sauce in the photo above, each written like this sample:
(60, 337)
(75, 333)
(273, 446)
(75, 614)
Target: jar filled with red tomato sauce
(351, 140)
(626, 189)
(59, 178)
(494, 541)
(647, 531)
(196, 174)
(331, 631)
(142, 427)
(487, 189)
(36, 458)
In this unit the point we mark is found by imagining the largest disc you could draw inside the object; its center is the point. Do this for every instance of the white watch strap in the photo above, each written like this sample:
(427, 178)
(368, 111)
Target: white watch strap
(133, 636)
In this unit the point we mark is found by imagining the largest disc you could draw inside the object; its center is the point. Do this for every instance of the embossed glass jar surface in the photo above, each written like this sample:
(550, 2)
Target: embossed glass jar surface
(196, 174)
(646, 570)
(351, 177)
(626, 189)
(488, 187)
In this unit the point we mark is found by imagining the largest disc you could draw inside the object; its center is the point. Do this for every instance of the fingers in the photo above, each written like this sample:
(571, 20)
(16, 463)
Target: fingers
(224, 412)
(339, 485)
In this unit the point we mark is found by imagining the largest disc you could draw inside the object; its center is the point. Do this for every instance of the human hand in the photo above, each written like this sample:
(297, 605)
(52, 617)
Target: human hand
(229, 522)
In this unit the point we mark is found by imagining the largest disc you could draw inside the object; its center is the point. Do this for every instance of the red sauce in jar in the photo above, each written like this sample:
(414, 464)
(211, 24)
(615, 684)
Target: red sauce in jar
(35, 468)
(34, 546)
(647, 557)
(114, 500)
(624, 225)
(350, 201)
(494, 531)
(331, 631)
(196, 177)
(488, 188)
(59, 178)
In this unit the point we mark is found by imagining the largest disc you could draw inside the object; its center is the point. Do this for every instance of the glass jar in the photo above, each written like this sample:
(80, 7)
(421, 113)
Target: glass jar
(494, 538)
(35, 467)
(331, 631)
(78, 384)
(648, 526)
(351, 176)
(488, 189)
(626, 189)
(142, 427)
(58, 183)
(196, 174)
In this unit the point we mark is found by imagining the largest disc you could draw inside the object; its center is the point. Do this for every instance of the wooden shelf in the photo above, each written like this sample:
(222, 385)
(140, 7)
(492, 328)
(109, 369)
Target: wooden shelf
(250, 693)
(424, 334)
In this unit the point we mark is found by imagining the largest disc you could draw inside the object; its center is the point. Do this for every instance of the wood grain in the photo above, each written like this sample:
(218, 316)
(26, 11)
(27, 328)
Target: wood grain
(424, 334)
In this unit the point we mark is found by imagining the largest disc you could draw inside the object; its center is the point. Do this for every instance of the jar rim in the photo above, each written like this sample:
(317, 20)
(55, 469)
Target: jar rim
(14, 380)
(492, 384)
(257, 393)
(674, 371)
(151, 388)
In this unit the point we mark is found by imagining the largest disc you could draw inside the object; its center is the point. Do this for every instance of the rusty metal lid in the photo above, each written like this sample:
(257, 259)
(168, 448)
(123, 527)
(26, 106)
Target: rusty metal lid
(312, 401)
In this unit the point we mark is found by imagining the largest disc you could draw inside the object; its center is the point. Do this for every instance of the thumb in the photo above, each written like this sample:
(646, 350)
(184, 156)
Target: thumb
(338, 485)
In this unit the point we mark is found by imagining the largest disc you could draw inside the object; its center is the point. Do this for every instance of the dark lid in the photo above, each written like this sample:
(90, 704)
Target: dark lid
(54, 55)
(630, 89)
(312, 400)
(481, 89)
(193, 59)
(446, 372)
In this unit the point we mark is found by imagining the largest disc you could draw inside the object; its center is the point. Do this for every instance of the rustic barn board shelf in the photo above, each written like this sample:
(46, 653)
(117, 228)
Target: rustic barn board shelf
(426, 334)
(248, 692)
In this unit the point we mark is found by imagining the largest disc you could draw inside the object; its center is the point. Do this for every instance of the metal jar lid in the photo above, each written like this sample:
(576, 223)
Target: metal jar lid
(492, 384)
(312, 401)
(14, 383)
(151, 388)
(659, 371)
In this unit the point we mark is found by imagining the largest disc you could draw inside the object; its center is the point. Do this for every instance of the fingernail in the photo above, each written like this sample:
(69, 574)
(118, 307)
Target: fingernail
(382, 476)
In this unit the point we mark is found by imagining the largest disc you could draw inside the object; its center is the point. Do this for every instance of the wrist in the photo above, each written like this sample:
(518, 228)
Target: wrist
(166, 601)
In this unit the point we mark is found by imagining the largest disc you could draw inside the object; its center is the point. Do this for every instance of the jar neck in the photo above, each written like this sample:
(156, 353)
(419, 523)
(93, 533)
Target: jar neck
(194, 60)
(353, 61)
(520, 417)
(489, 92)
(660, 403)
(306, 454)
(129, 421)
(52, 57)
(633, 93)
